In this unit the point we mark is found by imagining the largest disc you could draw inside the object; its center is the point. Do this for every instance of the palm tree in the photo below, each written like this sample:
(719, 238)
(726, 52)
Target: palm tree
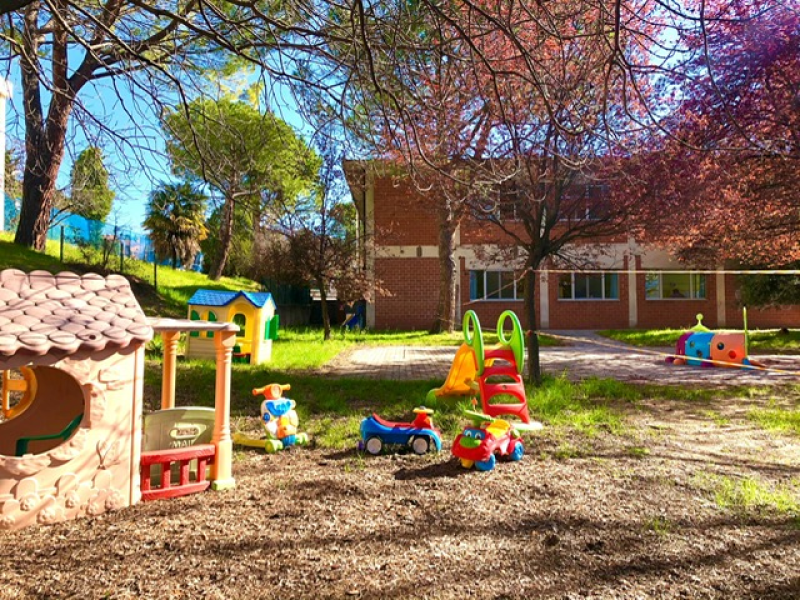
(176, 222)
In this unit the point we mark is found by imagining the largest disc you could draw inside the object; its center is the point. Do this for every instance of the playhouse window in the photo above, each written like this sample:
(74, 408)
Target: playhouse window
(494, 285)
(240, 320)
(212, 318)
(668, 286)
(194, 316)
(52, 415)
(588, 286)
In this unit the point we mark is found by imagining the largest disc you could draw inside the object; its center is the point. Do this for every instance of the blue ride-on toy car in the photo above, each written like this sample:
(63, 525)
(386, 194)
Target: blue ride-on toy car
(420, 435)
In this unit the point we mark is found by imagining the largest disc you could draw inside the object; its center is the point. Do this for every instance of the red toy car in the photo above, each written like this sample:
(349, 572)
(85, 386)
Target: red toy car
(478, 445)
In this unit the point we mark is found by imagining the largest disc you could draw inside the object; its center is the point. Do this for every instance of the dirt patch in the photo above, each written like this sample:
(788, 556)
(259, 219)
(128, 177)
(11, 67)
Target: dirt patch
(624, 517)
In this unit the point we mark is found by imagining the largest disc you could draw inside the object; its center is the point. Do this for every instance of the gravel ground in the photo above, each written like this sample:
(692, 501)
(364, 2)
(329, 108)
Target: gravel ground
(585, 354)
(610, 516)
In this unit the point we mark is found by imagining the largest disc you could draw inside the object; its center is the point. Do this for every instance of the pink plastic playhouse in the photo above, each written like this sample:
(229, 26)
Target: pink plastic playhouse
(72, 365)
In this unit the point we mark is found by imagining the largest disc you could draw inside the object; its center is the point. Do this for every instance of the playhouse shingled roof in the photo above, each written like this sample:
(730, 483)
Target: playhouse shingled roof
(42, 313)
(223, 298)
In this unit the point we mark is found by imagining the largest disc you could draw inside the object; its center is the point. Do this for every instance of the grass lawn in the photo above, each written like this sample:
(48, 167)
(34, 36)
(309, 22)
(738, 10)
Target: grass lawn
(331, 409)
(175, 287)
(768, 341)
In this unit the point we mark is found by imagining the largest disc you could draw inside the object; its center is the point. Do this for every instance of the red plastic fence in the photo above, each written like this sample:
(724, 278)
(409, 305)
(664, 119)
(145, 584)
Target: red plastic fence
(203, 453)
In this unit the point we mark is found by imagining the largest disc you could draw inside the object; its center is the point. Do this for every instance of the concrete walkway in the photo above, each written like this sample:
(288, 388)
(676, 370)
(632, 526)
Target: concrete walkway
(584, 354)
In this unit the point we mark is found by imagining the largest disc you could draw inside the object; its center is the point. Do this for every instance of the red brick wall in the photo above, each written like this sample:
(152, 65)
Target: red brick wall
(474, 231)
(588, 314)
(414, 284)
(401, 219)
(765, 318)
(400, 215)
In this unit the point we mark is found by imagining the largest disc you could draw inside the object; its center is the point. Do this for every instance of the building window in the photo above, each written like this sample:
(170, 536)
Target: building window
(495, 285)
(505, 202)
(588, 286)
(669, 286)
(584, 203)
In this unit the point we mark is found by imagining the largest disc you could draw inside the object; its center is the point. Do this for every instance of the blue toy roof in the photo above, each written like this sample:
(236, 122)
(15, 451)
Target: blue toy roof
(223, 298)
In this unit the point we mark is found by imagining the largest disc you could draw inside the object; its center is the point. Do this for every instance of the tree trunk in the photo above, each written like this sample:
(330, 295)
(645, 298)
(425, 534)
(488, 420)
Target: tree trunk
(534, 366)
(44, 137)
(326, 318)
(446, 307)
(225, 240)
(38, 198)
(259, 237)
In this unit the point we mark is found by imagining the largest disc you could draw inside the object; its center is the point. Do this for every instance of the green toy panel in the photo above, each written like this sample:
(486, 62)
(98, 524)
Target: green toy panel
(515, 339)
(473, 337)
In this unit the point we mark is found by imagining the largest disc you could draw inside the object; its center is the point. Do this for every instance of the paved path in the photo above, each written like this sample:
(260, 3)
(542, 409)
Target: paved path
(578, 359)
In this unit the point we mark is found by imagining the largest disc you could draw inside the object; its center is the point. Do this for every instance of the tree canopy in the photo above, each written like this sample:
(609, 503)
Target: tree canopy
(314, 241)
(251, 160)
(155, 50)
(176, 222)
(89, 194)
(724, 185)
(441, 88)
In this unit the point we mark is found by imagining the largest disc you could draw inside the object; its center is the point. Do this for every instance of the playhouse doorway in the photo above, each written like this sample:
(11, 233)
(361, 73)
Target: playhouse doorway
(41, 413)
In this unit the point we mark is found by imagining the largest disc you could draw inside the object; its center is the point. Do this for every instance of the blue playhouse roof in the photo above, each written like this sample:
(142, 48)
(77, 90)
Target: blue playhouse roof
(220, 298)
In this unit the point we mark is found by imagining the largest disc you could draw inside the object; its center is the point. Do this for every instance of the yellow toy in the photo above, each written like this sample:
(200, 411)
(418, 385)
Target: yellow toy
(279, 420)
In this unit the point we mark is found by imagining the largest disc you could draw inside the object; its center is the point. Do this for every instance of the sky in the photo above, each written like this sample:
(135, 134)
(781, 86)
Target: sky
(136, 161)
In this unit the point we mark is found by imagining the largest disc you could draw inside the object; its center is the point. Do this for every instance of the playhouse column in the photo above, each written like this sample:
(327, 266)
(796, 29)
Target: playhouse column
(168, 377)
(222, 472)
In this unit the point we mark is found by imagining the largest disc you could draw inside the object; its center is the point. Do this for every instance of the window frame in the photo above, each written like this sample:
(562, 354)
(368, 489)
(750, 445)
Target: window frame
(693, 286)
(590, 208)
(518, 288)
(603, 298)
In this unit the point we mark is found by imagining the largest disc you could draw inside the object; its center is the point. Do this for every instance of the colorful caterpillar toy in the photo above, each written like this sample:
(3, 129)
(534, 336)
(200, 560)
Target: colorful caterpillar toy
(701, 347)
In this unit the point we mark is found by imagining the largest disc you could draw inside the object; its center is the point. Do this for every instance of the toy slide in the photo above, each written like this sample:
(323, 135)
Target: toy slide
(461, 372)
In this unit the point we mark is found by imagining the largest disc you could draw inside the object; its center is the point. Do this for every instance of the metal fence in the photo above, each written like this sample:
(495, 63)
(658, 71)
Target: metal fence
(111, 238)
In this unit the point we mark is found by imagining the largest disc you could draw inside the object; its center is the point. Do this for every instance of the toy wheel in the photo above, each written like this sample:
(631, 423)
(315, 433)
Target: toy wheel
(467, 464)
(374, 445)
(420, 444)
(272, 446)
(518, 452)
(486, 465)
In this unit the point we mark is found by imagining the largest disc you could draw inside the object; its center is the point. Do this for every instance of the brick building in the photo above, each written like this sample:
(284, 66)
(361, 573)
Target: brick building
(643, 288)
